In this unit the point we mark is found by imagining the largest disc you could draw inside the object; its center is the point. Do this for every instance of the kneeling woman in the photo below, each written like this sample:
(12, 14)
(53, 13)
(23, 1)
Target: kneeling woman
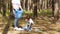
(29, 24)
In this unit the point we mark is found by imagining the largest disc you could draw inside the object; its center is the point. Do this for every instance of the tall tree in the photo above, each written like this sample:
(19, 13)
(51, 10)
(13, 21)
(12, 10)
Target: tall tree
(10, 7)
(11, 11)
(26, 4)
(0, 6)
(35, 8)
(23, 4)
(4, 7)
(56, 11)
(53, 2)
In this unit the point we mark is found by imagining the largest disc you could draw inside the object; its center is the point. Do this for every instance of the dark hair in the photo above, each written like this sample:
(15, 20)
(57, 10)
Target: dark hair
(28, 17)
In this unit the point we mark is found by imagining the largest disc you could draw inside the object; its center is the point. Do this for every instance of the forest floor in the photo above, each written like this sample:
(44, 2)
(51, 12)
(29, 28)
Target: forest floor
(43, 24)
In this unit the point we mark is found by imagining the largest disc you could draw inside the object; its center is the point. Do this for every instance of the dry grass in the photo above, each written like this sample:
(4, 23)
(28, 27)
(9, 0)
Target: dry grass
(43, 23)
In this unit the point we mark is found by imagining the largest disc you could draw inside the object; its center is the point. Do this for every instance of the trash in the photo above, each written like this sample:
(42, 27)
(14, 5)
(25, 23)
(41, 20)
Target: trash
(37, 30)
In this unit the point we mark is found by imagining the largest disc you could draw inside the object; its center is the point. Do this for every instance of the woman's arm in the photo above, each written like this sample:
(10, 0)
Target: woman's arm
(12, 6)
(20, 7)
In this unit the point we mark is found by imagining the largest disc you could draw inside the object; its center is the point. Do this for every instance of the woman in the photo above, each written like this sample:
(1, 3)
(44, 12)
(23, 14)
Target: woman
(17, 11)
(30, 22)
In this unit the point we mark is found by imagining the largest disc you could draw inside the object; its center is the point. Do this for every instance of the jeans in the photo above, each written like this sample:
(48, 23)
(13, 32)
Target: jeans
(16, 22)
(28, 28)
(17, 14)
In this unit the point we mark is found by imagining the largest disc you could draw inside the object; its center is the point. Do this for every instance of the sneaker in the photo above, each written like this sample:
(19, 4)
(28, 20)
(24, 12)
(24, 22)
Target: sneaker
(15, 28)
(20, 29)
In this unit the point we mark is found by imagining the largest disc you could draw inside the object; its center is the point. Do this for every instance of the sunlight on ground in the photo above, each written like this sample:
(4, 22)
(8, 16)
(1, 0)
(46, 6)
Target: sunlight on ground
(42, 23)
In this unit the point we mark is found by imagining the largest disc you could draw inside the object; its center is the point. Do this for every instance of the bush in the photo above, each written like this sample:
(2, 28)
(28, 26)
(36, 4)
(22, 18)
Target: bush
(47, 12)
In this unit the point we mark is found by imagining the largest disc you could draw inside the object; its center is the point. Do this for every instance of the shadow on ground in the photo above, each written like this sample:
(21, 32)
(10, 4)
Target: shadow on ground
(5, 31)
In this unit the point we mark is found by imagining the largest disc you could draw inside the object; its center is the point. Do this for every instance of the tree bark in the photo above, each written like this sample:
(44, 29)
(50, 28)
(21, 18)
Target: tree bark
(26, 4)
(11, 11)
(0, 6)
(4, 7)
(23, 4)
(35, 8)
(56, 11)
(53, 2)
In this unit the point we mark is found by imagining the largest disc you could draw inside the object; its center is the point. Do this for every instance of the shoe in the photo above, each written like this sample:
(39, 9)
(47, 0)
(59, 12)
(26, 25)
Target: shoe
(20, 29)
(15, 28)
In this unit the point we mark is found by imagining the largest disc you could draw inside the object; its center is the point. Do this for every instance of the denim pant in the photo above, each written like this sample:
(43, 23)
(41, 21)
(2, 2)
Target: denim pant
(28, 28)
(16, 22)
(18, 14)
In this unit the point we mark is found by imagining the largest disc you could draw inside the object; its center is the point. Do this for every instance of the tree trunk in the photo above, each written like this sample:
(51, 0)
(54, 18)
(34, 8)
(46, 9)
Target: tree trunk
(53, 2)
(35, 11)
(4, 7)
(56, 11)
(0, 6)
(11, 11)
(26, 4)
(45, 4)
(23, 4)
(35, 8)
